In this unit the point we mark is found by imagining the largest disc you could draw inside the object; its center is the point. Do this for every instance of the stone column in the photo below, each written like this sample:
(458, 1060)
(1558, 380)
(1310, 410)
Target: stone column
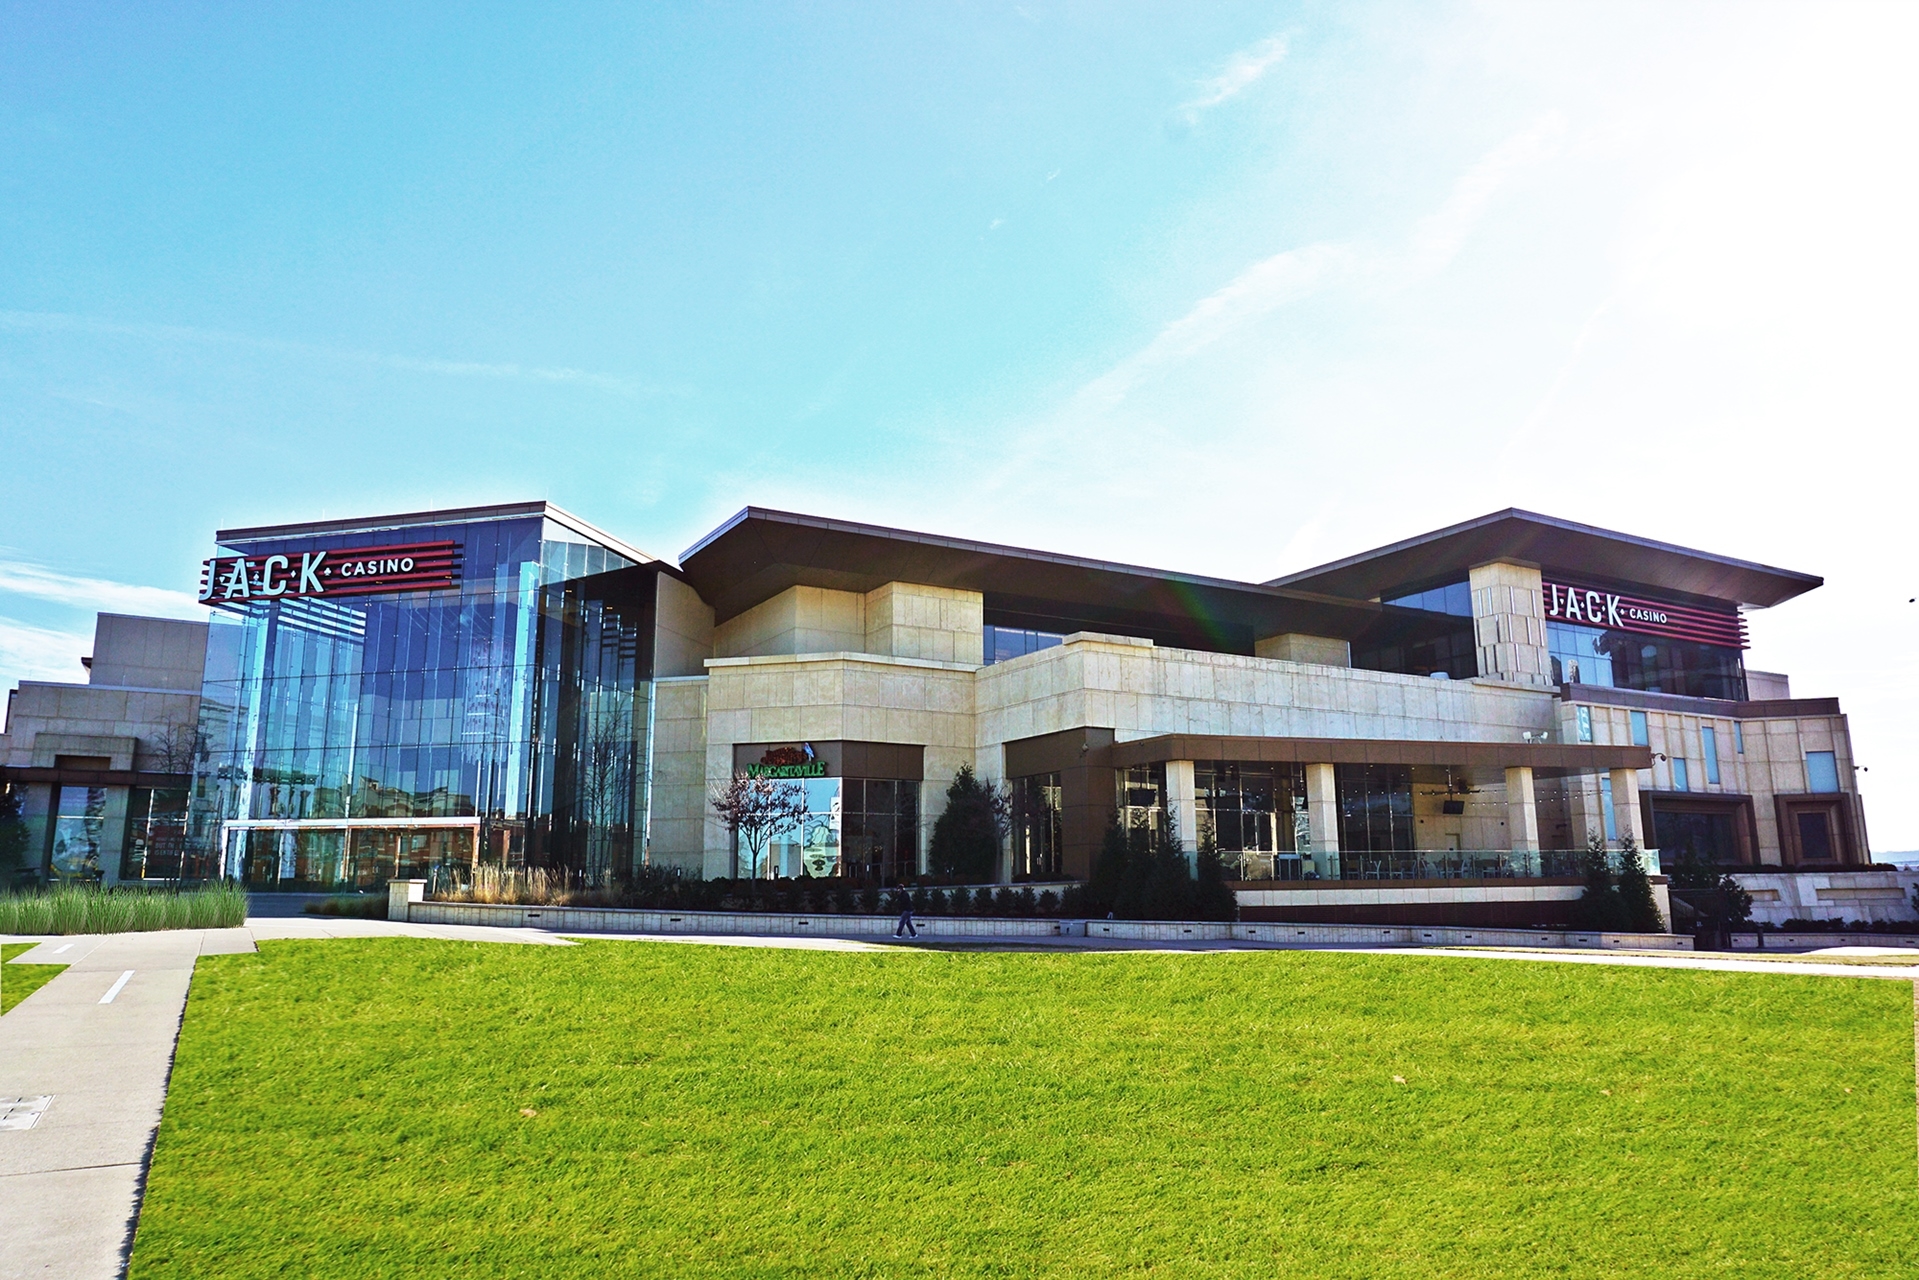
(1586, 805)
(1509, 623)
(1322, 817)
(1625, 806)
(1182, 801)
(1522, 815)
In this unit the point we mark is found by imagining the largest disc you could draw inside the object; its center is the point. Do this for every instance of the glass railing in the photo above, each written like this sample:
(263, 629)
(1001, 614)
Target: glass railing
(1429, 864)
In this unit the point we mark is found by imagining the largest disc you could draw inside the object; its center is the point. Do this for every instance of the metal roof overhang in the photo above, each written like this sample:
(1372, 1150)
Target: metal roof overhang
(760, 553)
(1553, 544)
(449, 515)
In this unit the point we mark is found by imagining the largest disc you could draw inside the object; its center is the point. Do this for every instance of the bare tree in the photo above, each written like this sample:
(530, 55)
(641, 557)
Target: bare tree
(606, 783)
(173, 749)
(757, 809)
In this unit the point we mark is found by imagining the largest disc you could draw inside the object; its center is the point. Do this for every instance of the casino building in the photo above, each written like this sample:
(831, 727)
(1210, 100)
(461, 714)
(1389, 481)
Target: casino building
(1420, 732)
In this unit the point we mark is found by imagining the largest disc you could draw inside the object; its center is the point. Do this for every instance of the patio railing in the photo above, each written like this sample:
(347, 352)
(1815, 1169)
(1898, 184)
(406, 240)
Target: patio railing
(1424, 864)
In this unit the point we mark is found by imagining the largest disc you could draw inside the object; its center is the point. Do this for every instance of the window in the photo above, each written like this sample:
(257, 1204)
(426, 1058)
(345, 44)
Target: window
(1455, 599)
(1706, 837)
(1141, 795)
(1605, 805)
(879, 829)
(1375, 808)
(79, 823)
(1627, 660)
(1002, 644)
(1815, 836)
(1709, 743)
(156, 834)
(1036, 827)
(1255, 812)
(1822, 771)
(1739, 737)
(1640, 738)
(1679, 781)
(1583, 717)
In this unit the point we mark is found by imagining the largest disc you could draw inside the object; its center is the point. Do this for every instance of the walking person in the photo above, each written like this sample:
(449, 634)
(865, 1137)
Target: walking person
(905, 928)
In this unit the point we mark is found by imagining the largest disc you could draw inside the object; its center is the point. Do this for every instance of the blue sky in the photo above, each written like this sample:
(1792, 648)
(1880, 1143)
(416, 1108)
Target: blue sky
(1228, 288)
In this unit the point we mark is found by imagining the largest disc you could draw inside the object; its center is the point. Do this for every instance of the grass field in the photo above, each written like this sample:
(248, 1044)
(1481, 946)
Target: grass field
(405, 1107)
(18, 981)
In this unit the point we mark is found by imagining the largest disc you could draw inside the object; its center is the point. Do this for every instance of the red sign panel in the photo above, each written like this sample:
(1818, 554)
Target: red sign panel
(360, 571)
(1592, 607)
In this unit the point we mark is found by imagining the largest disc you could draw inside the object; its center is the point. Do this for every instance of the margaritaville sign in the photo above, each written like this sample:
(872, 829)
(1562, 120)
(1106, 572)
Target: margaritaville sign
(788, 762)
(357, 571)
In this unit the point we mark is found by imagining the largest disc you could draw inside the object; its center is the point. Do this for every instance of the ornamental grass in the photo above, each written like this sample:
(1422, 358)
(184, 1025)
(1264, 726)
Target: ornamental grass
(94, 909)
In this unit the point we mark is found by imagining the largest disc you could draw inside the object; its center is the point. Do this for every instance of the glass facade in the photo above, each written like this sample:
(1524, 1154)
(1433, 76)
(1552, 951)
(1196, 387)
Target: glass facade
(1651, 664)
(862, 828)
(76, 834)
(1707, 837)
(1375, 809)
(1036, 827)
(1257, 813)
(1003, 644)
(1141, 795)
(354, 739)
(156, 837)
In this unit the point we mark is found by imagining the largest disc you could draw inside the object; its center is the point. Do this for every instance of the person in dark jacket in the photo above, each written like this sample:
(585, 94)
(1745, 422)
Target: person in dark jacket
(905, 928)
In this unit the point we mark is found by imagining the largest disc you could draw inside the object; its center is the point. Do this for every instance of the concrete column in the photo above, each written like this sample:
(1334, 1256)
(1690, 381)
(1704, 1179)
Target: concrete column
(1522, 815)
(1625, 806)
(1509, 623)
(1182, 801)
(1322, 818)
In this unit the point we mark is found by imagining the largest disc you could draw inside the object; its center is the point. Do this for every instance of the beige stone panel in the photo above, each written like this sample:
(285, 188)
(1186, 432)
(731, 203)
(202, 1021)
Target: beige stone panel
(683, 629)
(1294, 647)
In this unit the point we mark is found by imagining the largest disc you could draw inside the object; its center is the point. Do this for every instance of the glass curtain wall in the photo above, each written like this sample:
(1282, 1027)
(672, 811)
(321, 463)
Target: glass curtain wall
(1651, 664)
(505, 719)
(1036, 827)
(1141, 795)
(156, 834)
(1375, 811)
(1257, 813)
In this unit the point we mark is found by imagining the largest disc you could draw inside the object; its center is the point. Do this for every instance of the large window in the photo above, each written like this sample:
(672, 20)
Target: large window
(1141, 795)
(1706, 837)
(156, 834)
(1036, 827)
(77, 833)
(1822, 771)
(879, 826)
(1006, 643)
(1375, 808)
(1256, 812)
(1652, 664)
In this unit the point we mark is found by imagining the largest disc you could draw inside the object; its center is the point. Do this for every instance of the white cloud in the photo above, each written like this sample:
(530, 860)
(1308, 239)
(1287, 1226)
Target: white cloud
(56, 322)
(95, 594)
(1241, 72)
(39, 653)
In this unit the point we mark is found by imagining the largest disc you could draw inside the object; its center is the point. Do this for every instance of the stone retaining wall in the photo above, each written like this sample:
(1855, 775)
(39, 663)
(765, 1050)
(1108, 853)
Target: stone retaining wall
(1814, 941)
(1378, 935)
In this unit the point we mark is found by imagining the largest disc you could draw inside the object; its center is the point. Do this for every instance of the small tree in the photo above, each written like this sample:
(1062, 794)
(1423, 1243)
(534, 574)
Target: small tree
(1213, 899)
(1600, 906)
(1641, 909)
(757, 809)
(967, 837)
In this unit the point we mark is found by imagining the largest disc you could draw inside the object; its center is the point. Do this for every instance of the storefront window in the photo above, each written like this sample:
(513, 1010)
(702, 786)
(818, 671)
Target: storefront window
(156, 834)
(880, 829)
(1375, 808)
(79, 823)
(1141, 795)
(1257, 814)
(1036, 827)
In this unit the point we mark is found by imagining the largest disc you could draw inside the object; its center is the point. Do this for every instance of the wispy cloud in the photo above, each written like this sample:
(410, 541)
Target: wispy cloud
(98, 594)
(1241, 72)
(38, 653)
(58, 322)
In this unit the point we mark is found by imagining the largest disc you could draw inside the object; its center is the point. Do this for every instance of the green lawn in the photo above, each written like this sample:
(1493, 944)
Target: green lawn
(18, 981)
(405, 1107)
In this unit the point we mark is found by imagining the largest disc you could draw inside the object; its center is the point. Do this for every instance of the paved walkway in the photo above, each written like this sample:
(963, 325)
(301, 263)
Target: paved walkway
(99, 1040)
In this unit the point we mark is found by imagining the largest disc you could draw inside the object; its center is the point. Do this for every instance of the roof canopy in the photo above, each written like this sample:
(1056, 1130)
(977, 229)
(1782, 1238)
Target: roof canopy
(760, 553)
(1551, 544)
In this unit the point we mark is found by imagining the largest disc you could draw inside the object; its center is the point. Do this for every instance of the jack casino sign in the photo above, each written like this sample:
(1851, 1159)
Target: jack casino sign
(358, 571)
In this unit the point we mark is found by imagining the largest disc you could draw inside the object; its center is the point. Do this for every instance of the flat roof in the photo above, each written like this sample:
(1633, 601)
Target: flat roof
(760, 552)
(1548, 542)
(446, 515)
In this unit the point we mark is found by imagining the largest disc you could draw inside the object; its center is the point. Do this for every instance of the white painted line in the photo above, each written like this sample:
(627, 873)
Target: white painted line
(67, 947)
(114, 990)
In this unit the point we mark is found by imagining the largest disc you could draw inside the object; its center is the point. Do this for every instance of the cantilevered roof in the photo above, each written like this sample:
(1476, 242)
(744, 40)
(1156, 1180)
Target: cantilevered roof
(760, 553)
(449, 515)
(1553, 544)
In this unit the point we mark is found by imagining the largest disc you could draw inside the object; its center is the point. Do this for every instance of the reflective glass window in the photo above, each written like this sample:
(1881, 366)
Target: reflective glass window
(1653, 664)
(1375, 809)
(156, 834)
(1455, 598)
(1583, 722)
(1679, 779)
(1709, 744)
(1036, 826)
(1141, 795)
(1255, 814)
(1640, 735)
(1822, 771)
(76, 837)
(1001, 644)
